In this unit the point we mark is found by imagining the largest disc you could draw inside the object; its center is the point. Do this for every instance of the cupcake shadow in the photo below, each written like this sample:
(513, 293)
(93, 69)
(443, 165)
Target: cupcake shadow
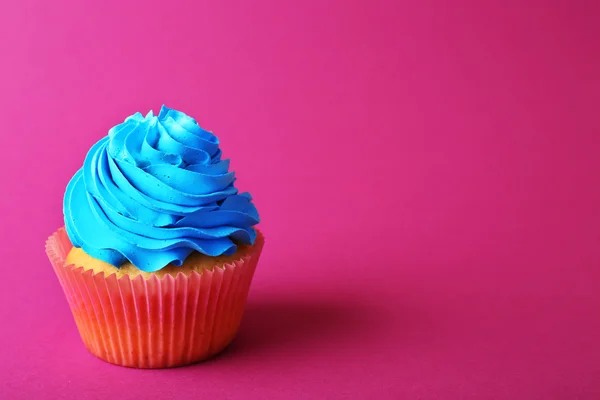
(277, 324)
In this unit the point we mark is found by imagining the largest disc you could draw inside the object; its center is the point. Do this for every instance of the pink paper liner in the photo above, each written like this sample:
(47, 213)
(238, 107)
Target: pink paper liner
(155, 322)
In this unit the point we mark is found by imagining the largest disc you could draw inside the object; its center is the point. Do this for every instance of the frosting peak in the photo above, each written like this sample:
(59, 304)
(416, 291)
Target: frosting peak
(153, 191)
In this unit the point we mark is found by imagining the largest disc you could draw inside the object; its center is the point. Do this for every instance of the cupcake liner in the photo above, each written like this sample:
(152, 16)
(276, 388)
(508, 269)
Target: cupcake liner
(155, 322)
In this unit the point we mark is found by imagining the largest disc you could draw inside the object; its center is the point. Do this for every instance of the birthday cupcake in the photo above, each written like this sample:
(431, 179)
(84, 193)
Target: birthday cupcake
(159, 247)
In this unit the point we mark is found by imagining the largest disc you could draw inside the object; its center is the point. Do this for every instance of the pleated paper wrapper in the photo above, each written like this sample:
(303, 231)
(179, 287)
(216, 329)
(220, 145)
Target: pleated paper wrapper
(155, 322)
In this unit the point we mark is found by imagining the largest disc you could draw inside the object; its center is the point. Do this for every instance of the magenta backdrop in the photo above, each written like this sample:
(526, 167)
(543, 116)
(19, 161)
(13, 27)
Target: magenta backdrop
(427, 175)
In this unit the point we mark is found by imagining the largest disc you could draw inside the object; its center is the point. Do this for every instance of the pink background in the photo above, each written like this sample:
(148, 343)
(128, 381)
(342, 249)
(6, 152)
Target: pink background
(428, 178)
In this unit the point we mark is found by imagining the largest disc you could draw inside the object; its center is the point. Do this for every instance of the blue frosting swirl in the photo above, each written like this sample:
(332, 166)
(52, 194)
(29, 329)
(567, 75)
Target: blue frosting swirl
(155, 190)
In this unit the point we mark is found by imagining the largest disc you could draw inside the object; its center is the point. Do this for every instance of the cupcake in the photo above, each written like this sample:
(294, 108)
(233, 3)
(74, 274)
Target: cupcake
(159, 247)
